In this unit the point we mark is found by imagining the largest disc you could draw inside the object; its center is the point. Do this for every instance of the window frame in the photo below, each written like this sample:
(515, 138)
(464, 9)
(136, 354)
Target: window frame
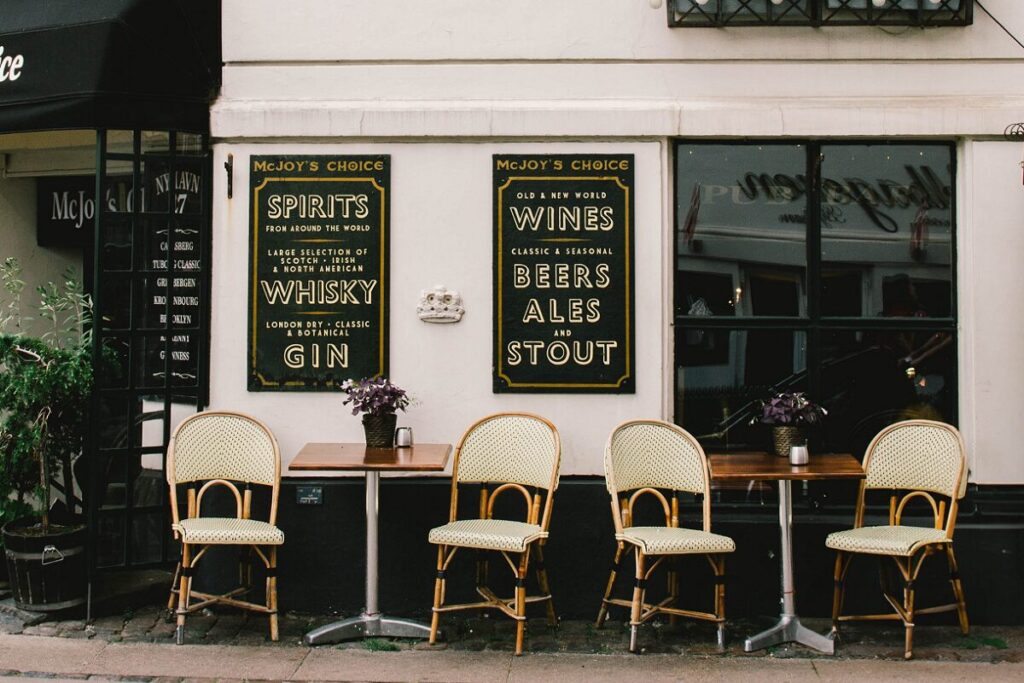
(813, 323)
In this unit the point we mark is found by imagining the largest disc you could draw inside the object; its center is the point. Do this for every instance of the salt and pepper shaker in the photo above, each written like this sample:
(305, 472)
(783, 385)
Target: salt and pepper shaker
(403, 437)
(798, 455)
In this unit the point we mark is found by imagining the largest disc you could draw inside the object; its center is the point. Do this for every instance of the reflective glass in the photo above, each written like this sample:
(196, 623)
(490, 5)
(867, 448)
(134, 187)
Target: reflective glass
(156, 141)
(872, 378)
(886, 219)
(741, 230)
(721, 373)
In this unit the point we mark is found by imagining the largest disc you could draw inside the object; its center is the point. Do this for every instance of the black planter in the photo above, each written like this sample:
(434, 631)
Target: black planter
(47, 572)
(380, 430)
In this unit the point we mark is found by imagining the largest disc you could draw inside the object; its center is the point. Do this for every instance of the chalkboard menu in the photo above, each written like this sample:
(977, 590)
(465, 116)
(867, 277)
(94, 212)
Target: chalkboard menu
(563, 273)
(172, 244)
(319, 271)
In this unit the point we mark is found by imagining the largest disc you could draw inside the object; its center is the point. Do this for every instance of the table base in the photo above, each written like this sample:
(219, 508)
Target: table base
(366, 626)
(789, 630)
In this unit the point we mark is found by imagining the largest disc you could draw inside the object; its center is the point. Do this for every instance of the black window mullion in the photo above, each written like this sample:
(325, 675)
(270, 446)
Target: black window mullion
(813, 213)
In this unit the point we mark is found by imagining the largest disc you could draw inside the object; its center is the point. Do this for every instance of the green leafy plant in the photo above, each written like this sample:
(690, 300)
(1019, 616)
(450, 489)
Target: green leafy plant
(380, 645)
(45, 384)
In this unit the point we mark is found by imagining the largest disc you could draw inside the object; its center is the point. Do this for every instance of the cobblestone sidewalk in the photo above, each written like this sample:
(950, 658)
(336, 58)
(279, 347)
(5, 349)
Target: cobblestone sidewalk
(483, 632)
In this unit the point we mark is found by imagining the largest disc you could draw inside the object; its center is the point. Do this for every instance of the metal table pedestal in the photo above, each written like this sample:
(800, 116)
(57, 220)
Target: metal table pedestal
(371, 622)
(788, 629)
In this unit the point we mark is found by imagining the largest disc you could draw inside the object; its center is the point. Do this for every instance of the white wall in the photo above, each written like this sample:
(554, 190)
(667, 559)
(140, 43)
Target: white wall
(18, 238)
(628, 30)
(327, 68)
(442, 231)
(991, 287)
(467, 75)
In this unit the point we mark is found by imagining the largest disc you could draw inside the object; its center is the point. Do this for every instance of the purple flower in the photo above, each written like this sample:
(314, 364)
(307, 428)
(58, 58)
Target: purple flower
(374, 396)
(789, 408)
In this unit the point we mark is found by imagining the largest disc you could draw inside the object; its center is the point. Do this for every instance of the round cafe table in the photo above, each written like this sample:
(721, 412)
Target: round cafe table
(770, 467)
(427, 457)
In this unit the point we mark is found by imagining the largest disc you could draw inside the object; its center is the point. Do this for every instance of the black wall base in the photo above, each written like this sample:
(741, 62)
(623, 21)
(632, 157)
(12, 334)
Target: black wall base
(322, 565)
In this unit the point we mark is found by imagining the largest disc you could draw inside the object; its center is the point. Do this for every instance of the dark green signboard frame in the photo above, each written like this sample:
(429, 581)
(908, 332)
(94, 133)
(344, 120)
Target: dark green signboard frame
(563, 273)
(318, 278)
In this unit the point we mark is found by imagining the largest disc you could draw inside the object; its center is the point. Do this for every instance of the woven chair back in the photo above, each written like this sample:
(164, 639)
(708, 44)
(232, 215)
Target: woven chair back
(656, 454)
(921, 455)
(223, 445)
(514, 448)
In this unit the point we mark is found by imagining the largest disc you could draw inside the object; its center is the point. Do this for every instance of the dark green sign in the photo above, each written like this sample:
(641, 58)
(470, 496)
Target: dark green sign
(563, 273)
(319, 271)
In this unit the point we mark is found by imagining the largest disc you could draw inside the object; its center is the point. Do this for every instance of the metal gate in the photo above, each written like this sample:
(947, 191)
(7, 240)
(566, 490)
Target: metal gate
(150, 283)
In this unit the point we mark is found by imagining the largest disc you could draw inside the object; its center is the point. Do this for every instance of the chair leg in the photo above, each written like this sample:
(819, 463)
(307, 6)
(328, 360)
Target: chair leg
(602, 614)
(483, 569)
(638, 600)
(172, 599)
(672, 587)
(908, 625)
(719, 566)
(438, 595)
(272, 592)
(838, 587)
(524, 561)
(958, 590)
(184, 588)
(545, 586)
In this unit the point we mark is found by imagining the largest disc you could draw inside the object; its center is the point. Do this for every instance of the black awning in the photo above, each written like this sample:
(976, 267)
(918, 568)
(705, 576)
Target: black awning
(132, 64)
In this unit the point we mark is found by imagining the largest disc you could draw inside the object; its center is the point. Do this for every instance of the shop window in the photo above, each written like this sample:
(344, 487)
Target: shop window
(822, 267)
(924, 13)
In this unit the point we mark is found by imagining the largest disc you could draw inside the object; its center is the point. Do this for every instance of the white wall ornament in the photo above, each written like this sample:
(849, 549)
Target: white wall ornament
(440, 305)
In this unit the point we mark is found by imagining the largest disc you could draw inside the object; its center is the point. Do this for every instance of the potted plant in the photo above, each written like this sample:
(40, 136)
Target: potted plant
(378, 399)
(788, 413)
(45, 383)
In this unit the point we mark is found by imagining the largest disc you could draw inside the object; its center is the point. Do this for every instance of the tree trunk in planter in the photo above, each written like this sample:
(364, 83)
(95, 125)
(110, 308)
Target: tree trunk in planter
(785, 436)
(47, 571)
(380, 430)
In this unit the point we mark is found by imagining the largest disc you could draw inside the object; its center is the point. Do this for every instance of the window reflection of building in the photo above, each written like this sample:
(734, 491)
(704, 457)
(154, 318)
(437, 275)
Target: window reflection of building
(850, 301)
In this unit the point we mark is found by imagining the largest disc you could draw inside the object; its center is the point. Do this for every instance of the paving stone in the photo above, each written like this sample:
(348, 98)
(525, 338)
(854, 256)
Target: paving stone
(162, 630)
(198, 625)
(227, 627)
(41, 630)
(112, 623)
(65, 626)
(83, 634)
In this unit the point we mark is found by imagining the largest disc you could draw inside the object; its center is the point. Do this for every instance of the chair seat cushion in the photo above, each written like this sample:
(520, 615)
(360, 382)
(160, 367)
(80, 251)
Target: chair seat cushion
(229, 531)
(488, 534)
(663, 540)
(885, 540)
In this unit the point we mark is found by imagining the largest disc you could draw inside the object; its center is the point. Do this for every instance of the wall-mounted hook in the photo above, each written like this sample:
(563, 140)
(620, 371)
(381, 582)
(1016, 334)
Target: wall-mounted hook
(229, 168)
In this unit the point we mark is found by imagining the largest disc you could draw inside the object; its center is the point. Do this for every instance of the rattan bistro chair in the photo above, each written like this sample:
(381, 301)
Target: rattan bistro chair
(218, 448)
(515, 452)
(641, 457)
(916, 458)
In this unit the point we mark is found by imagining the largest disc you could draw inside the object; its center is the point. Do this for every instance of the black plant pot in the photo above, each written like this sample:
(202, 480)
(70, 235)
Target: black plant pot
(380, 430)
(47, 572)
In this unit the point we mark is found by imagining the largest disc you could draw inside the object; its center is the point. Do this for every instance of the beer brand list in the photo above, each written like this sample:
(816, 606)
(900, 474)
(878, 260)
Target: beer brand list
(563, 279)
(319, 271)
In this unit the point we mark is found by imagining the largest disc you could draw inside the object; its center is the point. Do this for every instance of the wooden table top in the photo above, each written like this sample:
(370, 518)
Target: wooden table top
(761, 465)
(421, 457)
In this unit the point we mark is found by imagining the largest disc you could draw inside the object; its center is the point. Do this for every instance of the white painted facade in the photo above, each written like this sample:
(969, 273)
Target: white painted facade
(443, 86)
